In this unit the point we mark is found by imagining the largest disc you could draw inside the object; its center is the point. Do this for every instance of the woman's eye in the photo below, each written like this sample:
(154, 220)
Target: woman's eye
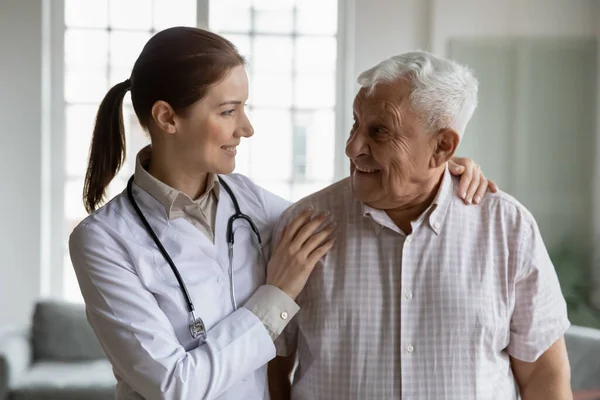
(228, 112)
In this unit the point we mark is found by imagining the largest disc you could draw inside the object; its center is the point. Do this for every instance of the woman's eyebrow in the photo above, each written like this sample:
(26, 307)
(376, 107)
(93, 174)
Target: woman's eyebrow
(230, 102)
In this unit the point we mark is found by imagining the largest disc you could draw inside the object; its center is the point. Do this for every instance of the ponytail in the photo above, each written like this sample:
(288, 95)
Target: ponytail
(107, 151)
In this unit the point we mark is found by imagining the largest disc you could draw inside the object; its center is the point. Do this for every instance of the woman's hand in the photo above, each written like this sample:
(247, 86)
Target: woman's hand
(473, 184)
(301, 246)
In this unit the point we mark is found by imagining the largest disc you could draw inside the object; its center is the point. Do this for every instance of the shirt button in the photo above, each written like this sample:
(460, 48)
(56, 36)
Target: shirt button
(408, 239)
(409, 295)
(436, 225)
(283, 315)
(410, 348)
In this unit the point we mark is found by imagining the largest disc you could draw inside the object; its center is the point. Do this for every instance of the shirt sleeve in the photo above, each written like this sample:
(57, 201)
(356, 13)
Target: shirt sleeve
(273, 307)
(286, 343)
(139, 339)
(540, 313)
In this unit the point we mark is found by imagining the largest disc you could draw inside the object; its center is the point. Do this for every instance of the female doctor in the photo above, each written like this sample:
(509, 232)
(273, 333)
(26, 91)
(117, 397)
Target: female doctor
(175, 272)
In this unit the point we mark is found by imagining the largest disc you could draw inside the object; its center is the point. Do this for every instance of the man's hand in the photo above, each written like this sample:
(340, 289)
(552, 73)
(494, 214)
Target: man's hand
(548, 378)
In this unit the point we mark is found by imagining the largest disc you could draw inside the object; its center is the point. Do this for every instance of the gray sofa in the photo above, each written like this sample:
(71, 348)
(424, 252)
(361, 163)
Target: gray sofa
(58, 358)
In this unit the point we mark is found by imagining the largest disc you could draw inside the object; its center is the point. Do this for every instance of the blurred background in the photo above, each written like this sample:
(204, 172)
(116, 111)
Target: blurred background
(536, 131)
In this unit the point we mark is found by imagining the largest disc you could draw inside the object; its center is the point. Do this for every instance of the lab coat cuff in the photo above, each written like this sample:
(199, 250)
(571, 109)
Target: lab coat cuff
(273, 307)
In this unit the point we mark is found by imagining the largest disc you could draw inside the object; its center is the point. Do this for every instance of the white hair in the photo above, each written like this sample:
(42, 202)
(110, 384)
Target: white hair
(444, 93)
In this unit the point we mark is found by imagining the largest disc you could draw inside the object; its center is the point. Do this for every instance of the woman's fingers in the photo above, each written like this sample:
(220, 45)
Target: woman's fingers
(293, 227)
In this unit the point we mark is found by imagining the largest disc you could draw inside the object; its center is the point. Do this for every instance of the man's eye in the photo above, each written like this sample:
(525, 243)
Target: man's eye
(379, 130)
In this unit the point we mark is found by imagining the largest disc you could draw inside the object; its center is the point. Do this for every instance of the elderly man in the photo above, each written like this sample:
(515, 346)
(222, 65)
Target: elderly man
(423, 297)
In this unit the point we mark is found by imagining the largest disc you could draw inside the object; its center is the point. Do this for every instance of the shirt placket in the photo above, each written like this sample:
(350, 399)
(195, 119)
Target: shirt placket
(408, 309)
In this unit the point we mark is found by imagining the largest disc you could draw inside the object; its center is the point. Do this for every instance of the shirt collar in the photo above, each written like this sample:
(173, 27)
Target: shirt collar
(435, 213)
(162, 192)
(441, 203)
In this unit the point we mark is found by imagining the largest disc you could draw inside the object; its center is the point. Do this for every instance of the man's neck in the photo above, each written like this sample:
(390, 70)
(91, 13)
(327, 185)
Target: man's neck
(405, 214)
(167, 170)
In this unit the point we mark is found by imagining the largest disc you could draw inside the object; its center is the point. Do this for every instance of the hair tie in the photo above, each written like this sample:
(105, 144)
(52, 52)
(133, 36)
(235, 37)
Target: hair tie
(127, 83)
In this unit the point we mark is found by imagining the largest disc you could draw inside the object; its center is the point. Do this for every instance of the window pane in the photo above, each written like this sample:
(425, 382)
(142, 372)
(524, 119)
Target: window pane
(137, 139)
(316, 54)
(118, 75)
(280, 188)
(243, 158)
(299, 152)
(125, 47)
(86, 47)
(85, 85)
(273, 4)
(130, 14)
(229, 16)
(319, 128)
(272, 54)
(300, 190)
(168, 13)
(273, 21)
(71, 290)
(317, 17)
(80, 124)
(242, 42)
(272, 144)
(89, 13)
(115, 187)
(271, 90)
(315, 91)
(74, 210)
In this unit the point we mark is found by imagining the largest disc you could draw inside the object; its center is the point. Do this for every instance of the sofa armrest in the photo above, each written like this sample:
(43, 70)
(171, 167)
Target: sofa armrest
(583, 347)
(15, 357)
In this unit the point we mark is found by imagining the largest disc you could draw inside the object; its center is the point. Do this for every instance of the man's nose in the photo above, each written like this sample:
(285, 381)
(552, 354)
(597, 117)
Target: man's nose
(356, 145)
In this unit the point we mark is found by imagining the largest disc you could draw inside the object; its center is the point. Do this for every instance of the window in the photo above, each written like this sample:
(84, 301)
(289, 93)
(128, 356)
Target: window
(291, 49)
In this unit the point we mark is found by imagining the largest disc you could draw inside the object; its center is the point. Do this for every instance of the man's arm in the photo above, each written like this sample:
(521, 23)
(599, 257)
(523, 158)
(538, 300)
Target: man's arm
(280, 374)
(547, 378)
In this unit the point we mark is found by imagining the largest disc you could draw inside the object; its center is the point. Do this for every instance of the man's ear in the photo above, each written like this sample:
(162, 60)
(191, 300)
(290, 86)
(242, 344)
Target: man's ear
(445, 143)
(164, 116)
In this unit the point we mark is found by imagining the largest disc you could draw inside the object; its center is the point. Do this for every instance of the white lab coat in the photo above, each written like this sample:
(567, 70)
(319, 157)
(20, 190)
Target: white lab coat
(136, 308)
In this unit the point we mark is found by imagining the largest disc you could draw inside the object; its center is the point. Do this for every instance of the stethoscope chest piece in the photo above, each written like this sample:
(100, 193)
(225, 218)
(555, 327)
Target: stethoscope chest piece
(198, 330)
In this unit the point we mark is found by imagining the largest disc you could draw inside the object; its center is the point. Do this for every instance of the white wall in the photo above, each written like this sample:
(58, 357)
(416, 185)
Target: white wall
(509, 18)
(386, 27)
(20, 152)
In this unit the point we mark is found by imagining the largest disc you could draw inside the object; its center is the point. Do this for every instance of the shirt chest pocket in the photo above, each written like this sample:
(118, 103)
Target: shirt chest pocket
(469, 301)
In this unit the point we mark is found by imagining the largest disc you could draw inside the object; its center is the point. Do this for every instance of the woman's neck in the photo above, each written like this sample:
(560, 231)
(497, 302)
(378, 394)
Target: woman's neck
(170, 171)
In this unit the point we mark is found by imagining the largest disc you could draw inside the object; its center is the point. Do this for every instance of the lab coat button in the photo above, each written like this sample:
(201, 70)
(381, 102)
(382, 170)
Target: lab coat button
(284, 315)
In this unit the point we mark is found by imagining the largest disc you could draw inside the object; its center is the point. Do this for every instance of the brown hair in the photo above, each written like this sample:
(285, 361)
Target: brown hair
(177, 65)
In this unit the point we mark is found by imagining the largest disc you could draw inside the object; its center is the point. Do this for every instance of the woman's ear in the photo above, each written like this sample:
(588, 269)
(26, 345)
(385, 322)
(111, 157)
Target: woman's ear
(445, 144)
(164, 116)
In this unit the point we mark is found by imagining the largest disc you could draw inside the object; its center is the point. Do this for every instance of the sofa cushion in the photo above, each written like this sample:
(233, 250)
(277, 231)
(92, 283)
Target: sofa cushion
(90, 380)
(61, 332)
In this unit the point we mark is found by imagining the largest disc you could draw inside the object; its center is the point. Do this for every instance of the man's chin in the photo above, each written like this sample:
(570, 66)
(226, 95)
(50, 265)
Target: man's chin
(363, 191)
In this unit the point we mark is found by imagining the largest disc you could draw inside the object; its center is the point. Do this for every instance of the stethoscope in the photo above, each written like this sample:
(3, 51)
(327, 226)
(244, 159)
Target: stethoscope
(197, 327)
